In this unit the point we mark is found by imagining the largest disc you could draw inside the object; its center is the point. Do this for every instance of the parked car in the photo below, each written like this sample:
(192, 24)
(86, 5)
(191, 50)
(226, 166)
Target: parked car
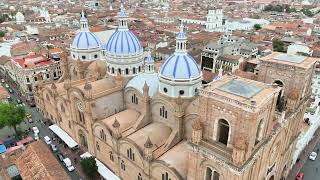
(47, 140)
(2, 80)
(36, 136)
(35, 130)
(300, 176)
(53, 147)
(19, 101)
(60, 157)
(67, 163)
(7, 85)
(313, 156)
(10, 90)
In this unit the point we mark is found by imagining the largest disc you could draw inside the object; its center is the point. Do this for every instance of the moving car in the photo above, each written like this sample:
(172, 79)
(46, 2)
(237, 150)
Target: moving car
(29, 117)
(35, 130)
(47, 140)
(300, 176)
(53, 147)
(313, 156)
(67, 163)
(60, 157)
(10, 90)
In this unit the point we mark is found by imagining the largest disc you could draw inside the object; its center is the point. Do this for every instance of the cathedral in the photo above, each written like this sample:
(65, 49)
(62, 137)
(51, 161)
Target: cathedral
(145, 122)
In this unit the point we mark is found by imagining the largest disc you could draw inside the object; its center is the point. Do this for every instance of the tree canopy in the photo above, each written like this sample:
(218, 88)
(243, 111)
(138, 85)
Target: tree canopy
(279, 8)
(257, 26)
(11, 115)
(278, 45)
(89, 167)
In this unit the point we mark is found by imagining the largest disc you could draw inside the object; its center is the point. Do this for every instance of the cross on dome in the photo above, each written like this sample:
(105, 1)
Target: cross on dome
(83, 22)
(181, 41)
(122, 19)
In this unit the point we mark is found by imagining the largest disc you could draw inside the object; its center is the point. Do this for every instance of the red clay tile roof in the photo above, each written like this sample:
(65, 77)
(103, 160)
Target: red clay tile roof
(38, 163)
(33, 60)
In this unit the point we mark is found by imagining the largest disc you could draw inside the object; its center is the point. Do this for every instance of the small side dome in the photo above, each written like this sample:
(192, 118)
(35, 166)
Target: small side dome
(86, 40)
(180, 67)
(151, 80)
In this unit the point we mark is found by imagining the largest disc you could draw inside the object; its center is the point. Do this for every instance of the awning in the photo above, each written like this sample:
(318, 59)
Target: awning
(63, 136)
(25, 140)
(3, 149)
(105, 172)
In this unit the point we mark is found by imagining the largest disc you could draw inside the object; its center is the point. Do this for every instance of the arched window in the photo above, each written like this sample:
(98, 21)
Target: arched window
(211, 175)
(103, 135)
(134, 99)
(139, 69)
(223, 131)
(259, 132)
(111, 156)
(123, 166)
(134, 70)
(130, 154)
(112, 70)
(163, 112)
(280, 84)
(97, 146)
(127, 71)
(139, 176)
(81, 117)
(119, 71)
(165, 176)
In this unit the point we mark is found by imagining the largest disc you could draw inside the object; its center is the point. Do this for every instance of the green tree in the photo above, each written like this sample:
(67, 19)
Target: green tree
(278, 45)
(2, 34)
(257, 27)
(89, 167)
(11, 115)
(307, 12)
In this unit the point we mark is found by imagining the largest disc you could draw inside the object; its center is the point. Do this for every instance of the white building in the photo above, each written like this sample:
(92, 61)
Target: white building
(20, 18)
(215, 21)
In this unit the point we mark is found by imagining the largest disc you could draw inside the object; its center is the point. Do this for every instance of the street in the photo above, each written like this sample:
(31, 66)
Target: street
(311, 169)
(43, 131)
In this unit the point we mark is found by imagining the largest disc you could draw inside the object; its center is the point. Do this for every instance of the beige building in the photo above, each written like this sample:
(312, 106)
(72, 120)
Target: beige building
(163, 124)
(29, 70)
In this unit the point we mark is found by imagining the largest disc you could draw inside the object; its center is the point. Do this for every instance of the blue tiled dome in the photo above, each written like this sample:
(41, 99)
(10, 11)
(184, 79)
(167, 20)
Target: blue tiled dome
(123, 43)
(86, 40)
(180, 66)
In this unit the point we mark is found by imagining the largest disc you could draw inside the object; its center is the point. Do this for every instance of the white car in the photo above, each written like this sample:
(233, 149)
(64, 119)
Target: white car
(35, 130)
(47, 140)
(36, 136)
(67, 163)
(313, 156)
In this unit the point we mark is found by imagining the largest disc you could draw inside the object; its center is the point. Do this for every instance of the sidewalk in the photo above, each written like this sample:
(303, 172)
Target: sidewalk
(304, 155)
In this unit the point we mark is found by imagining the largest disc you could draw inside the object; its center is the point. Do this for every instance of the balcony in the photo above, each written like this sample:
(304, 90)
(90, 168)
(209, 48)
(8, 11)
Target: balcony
(217, 148)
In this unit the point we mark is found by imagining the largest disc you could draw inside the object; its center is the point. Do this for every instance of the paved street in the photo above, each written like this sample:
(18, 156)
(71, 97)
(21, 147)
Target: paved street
(44, 131)
(312, 168)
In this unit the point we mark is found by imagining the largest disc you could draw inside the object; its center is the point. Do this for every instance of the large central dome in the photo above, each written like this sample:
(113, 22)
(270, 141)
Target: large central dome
(123, 42)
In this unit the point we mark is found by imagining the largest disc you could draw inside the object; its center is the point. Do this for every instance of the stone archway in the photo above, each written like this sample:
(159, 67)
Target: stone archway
(83, 138)
(271, 178)
(284, 173)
